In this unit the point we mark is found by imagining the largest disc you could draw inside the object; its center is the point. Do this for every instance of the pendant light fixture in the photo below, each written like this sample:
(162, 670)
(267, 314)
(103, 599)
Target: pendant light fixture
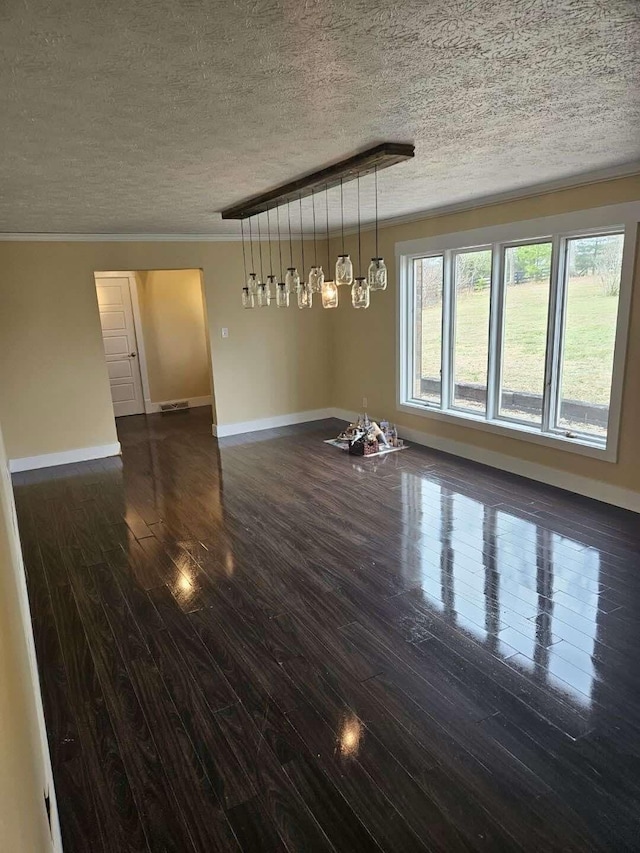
(292, 278)
(377, 273)
(305, 294)
(282, 291)
(329, 288)
(271, 278)
(252, 281)
(247, 296)
(360, 286)
(313, 271)
(344, 267)
(264, 297)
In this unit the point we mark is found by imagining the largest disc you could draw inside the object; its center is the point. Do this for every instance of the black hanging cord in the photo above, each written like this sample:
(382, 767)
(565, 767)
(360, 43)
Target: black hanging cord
(315, 246)
(253, 267)
(301, 238)
(326, 210)
(342, 213)
(260, 247)
(359, 242)
(244, 254)
(375, 172)
(279, 242)
(290, 241)
(269, 235)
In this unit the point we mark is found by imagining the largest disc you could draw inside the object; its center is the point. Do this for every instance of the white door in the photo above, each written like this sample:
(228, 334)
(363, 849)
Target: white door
(120, 348)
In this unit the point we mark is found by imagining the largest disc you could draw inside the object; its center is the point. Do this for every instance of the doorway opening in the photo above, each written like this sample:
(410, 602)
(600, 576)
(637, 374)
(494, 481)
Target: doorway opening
(156, 341)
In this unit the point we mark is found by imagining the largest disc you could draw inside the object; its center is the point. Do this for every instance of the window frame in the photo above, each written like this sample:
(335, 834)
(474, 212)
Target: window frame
(622, 218)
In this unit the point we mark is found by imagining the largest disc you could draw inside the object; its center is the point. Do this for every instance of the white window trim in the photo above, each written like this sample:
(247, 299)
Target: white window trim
(623, 217)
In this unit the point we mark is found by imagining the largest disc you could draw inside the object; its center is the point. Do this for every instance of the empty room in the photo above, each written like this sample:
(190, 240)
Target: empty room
(319, 405)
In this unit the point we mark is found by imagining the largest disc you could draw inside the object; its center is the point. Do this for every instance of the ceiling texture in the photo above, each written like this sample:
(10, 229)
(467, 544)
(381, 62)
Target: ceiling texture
(149, 117)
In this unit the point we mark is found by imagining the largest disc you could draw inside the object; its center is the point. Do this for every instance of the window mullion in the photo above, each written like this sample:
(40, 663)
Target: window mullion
(448, 336)
(554, 336)
(496, 313)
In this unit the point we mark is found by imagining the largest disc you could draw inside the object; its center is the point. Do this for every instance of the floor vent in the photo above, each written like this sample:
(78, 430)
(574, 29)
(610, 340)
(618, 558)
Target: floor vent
(174, 407)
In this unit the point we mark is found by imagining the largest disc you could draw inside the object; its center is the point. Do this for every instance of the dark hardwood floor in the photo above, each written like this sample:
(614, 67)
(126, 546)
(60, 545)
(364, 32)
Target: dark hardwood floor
(264, 644)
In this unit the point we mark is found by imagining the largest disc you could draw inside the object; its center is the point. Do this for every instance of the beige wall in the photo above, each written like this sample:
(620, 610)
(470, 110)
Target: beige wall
(374, 330)
(23, 776)
(175, 333)
(54, 393)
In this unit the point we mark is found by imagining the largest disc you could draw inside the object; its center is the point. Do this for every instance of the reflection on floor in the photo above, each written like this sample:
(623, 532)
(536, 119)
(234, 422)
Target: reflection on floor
(263, 644)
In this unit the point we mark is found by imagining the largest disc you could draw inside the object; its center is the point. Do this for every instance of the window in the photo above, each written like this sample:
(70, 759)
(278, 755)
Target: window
(592, 276)
(472, 285)
(428, 287)
(520, 328)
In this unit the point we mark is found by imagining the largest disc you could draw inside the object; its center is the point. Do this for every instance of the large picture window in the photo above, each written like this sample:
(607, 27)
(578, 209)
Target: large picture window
(523, 334)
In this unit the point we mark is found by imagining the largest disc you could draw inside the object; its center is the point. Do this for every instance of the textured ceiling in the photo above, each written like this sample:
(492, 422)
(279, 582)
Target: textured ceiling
(151, 116)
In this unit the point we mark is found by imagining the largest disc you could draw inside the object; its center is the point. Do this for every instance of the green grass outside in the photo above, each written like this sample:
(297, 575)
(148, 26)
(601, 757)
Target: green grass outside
(589, 339)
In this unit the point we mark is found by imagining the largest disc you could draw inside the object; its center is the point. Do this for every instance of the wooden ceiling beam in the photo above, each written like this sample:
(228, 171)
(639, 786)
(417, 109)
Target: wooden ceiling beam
(380, 156)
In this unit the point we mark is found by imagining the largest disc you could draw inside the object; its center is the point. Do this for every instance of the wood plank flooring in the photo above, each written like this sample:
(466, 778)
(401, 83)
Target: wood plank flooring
(264, 644)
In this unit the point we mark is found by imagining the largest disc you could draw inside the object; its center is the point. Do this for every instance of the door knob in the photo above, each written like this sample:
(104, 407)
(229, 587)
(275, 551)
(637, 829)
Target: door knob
(132, 355)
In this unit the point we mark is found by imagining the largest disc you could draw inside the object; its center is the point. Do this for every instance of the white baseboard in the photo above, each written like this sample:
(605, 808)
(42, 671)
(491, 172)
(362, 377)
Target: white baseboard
(151, 408)
(223, 430)
(48, 460)
(596, 489)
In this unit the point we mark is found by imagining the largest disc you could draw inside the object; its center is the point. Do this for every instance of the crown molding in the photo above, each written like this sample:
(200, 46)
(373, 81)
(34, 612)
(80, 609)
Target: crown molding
(624, 170)
(56, 237)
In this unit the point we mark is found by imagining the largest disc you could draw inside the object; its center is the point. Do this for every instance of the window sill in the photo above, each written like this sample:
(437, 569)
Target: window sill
(581, 445)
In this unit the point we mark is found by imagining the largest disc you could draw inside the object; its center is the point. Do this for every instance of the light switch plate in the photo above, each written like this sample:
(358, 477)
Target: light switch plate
(225, 332)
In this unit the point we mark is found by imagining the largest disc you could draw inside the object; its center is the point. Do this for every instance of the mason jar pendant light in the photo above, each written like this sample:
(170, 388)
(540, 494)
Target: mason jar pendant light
(282, 290)
(344, 267)
(316, 274)
(271, 278)
(247, 295)
(263, 296)
(377, 273)
(282, 295)
(292, 278)
(305, 293)
(360, 286)
(329, 288)
(252, 281)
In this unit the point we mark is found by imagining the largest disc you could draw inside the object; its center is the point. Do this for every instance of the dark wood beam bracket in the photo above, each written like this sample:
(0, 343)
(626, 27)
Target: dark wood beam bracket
(380, 156)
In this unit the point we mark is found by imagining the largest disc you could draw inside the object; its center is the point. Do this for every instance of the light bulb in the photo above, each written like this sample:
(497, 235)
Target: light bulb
(329, 294)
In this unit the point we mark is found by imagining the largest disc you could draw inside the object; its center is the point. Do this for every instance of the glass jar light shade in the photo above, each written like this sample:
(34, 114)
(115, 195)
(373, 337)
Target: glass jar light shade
(313, 279)
(264, 296)
(319, 280)
(305, 296)
(292, 280)
(329, 294)
(344, 270)
(377, 274)
(272, 281)
(282, 295)
(252, 283)
(360, 292)
(247, 298)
